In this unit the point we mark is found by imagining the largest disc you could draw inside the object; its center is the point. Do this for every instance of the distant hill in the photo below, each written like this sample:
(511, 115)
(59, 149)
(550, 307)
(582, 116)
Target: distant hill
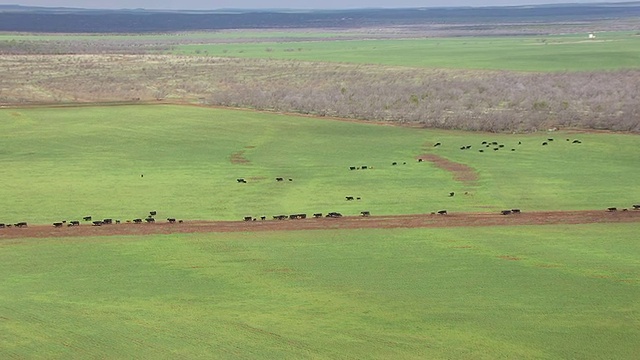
(74, 20)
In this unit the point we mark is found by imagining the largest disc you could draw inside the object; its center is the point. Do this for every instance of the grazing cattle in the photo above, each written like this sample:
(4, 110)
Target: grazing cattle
(484, 143)
(404, 163)
(365, 213)
(576, 142)
(513, 149)
(97, 223)
(494, 143)
(420, 160)
(549, 139)
(364, 167)
(243, 181)
(352, 167)
(150, 220)
(280, 217)
(625, 209)
(568, 140)
(107, 221)
(545, 143)
(636, 207)
(437, 144)
(358, 198)
(180, 221)
(263, 217)
(515, 211)
(480, 150)
(87, 218)
(451, 194)
(117, 221)
(171, 220)
(317, 215)
(334, 215)
(57, 224)
(298, 216)
(468, 147)
(153, 213)
(442, 212)
(2, 226)
(248, 218)
(349, 198)
(75, 223)
(496, 149)
(290, 179)
(394, 163)
(612, 209)
(462, 147)
(505, 212)
(137, 221)
(279, 179)
(519, 142)
(501, 145)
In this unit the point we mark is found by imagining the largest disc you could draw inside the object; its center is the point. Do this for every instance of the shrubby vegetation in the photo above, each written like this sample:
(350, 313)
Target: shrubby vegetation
(499, 101)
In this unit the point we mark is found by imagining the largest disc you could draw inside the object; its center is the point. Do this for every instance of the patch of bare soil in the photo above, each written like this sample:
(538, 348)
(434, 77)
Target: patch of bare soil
(347, 222)
(461, 172)
(238, 158)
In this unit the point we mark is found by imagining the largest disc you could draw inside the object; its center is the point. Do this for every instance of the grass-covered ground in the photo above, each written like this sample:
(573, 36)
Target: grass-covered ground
(609, 51)
(544, 292)
(121, 162)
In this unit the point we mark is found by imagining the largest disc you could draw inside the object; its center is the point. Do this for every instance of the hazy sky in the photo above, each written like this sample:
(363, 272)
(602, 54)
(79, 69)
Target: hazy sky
(314, 4)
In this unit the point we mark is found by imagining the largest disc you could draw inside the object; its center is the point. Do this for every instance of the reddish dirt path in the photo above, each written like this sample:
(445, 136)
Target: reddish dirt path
(349, 222)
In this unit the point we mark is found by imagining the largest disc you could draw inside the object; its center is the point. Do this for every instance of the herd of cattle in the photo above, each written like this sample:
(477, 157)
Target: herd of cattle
(89, 219)
(495, 146)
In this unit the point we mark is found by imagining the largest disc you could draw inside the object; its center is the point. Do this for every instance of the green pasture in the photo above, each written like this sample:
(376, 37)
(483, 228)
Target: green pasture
(609, 51)
(123, 161)
(545, 292)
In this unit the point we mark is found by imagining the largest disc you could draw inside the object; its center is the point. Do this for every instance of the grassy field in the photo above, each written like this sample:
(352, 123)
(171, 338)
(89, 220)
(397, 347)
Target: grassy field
(545, 292)
(610, 51)
(124, 161)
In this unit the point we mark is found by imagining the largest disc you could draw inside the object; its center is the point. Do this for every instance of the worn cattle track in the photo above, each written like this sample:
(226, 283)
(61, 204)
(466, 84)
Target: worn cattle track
(349, 222)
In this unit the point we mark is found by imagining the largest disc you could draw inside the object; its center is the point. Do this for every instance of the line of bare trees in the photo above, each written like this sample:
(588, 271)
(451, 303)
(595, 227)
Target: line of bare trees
(452, 99)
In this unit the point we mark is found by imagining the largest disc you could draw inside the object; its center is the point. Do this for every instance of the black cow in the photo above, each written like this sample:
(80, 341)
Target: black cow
(75, 223)
(263, 218)
(480, 150)
(636, 207)
(612, 209)
(117, 221)
(519, 142)
(334, 215)
(549, 139)
(180, 221)
(364, 167)
(317, 215)
(505, 212)
(501, 145)
(290, 179)
(513, 149)
(420, 160)
(496, 149)
(545, 143)
(2, 225)
(352, 167)
(150, 220)
(442, 212)
(241, 181)
(107, 221)
(87, 218)
(437, 144)
(349, 198)
(576, 142)
(137, 221)
(153, 213)
(97, 223)
(279, 179)
(365, 213)
(57, 224)
(515, 211)
(484, 143)
(451, 194)
(248, 218)
(494, 143)
(171, 220)
(280, 217)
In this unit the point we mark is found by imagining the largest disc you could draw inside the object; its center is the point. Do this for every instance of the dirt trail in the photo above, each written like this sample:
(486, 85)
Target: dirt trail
(349, 222)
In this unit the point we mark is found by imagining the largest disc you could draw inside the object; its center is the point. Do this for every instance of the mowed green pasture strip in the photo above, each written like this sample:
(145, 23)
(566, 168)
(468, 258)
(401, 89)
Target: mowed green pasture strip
(122, 162)
(545, 292)
(610, 51)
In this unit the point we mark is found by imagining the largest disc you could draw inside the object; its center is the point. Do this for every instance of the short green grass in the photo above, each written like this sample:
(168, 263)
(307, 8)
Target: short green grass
(123, 161)
(545, 292)
(609, 51)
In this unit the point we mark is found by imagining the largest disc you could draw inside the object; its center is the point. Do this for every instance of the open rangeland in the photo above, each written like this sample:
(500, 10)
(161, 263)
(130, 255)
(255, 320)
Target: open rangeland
(120, 162)
(526, 292)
